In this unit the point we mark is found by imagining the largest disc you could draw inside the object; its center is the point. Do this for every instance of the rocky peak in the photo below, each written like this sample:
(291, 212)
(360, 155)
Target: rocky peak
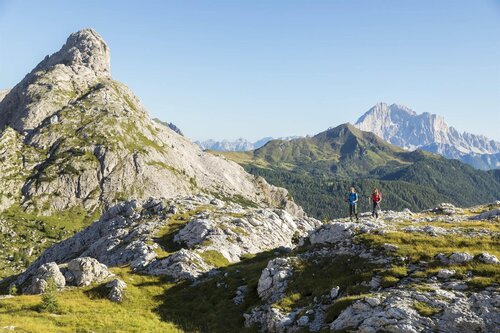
(402, 126)
(56, 81)
(82, 48)
(84, 139)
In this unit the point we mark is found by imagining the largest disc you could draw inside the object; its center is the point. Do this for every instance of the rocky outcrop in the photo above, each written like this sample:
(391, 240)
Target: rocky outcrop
(242, 231)
(445, 298)
(447, 209)
(488, 258)
(403, 127)
(491, 214)
(273, 280)
(85, 271)
(127, 234)
(184, 264)
(78, 272)
(395, 311)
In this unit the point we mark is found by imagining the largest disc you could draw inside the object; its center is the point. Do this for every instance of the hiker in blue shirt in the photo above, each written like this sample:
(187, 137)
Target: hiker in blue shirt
(352, 199)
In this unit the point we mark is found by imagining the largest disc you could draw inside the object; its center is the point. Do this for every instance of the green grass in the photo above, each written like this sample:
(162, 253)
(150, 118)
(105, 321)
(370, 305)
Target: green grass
(212, 300)
(389, 281)
(37, 232)
(84, 310)
(316, 279)
(164, 166)
(419, 246)
(425, 309)
(214, 258)
(481, 282)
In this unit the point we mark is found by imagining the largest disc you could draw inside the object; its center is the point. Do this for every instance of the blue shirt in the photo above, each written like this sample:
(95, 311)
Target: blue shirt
(353, 197)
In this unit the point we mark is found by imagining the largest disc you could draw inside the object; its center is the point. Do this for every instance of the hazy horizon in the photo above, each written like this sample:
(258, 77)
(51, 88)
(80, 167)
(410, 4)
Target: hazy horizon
(228, 70)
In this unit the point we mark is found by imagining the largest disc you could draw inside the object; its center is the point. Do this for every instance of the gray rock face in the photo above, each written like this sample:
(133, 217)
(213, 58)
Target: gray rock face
(184, 264)
(336, 232)
(127, 234)
(446, 209)
(81, 62)
(271, 319)
(460, 258)
(405, 128)
(334, 292)
(253, 232)
(429, 229)
(85, 271)
(332, 232)
(40, 280)
(117, 290)
(241, 292)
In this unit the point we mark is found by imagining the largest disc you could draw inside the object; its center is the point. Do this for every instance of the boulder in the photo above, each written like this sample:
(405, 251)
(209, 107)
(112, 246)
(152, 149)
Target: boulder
(488, 258)
(273, 279)
(183, 264)
(117, 290)
(43, 275)
(333, 233)
(445, 273)
(446, 209)
(84, 271)
(460, 258)
(334, 292)
(303, 321)
(241, 292)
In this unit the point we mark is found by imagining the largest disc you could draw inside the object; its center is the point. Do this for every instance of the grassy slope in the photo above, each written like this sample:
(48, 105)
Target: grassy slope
(87, 310)
(37, 233)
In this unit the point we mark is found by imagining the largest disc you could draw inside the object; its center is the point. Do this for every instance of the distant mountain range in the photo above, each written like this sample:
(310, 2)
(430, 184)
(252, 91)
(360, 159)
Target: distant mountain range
(239, 144)
(317, 170)
(403, 127)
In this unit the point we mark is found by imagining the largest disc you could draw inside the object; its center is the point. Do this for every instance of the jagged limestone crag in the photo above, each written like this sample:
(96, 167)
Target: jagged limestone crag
(403, 127)
(83, 139)
(214, 232)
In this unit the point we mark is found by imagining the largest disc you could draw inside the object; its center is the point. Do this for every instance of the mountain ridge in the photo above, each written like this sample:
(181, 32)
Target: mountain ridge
(317, 171)
(239, 144)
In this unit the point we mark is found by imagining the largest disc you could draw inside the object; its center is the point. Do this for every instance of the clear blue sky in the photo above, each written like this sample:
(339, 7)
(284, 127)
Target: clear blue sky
(228, 69)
